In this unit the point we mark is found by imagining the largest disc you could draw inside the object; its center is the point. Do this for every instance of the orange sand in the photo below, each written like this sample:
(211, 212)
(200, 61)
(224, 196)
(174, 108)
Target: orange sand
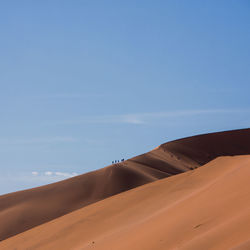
(207, 208)
(85, 212)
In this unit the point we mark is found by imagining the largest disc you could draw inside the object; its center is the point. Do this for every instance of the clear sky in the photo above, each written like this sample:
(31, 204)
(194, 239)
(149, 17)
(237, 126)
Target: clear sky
(85, 82)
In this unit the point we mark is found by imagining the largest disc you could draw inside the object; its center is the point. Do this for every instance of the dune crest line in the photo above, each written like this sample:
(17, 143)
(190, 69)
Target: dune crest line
(26, 209)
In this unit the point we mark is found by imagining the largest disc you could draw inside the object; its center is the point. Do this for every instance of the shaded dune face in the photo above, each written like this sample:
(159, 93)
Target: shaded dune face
(23, 210)
(204, 148)
(207, 208)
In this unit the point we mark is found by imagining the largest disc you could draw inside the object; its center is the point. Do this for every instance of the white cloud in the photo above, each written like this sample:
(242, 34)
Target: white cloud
(54, 174)
(143, 118)
(23, 180)
(65, 174)
(48, 173)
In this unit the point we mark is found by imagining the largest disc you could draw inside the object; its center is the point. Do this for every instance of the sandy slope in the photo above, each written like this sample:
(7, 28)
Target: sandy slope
(207, 208)
(23, 210)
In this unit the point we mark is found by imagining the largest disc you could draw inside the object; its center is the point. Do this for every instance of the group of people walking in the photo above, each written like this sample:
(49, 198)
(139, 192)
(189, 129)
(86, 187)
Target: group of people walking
(117, 161)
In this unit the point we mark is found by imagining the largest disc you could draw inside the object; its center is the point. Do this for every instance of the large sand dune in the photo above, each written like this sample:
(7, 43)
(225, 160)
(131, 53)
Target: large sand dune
(24, 210)
(207, 208)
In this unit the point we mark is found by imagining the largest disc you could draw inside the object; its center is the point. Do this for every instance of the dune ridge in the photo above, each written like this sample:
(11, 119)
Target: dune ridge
(207, 208)
(26, 209)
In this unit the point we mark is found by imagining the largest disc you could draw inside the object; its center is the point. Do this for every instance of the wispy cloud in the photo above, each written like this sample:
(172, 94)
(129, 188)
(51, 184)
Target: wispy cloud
(53, 174)
(15, 180)
(144, 118)
(37, 140)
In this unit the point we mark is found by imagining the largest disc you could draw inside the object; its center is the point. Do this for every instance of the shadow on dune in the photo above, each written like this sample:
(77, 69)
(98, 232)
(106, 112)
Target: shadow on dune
(23, 210)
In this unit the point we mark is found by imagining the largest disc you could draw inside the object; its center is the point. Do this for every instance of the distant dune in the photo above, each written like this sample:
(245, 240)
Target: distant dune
(24, 210)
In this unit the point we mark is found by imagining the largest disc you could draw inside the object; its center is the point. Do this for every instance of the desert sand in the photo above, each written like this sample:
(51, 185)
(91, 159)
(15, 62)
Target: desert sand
(206, 208)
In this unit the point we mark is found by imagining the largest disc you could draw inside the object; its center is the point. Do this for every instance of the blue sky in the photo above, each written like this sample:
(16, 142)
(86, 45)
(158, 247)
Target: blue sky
(85, 82)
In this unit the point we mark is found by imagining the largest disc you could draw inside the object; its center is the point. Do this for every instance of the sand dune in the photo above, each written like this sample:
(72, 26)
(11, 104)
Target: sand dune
(207, 208)
(24, 210)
